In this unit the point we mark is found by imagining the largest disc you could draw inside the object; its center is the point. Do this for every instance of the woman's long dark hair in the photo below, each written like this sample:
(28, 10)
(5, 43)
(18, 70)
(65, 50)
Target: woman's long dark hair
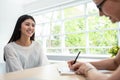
(17, 32)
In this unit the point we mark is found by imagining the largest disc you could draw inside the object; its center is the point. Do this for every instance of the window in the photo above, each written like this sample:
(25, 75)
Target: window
(69, 30)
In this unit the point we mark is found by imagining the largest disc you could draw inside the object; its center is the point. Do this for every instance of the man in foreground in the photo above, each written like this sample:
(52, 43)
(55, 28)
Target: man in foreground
(111, 9)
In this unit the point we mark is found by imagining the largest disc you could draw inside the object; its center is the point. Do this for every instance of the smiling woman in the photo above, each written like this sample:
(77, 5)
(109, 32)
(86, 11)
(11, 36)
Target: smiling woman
(22, 51)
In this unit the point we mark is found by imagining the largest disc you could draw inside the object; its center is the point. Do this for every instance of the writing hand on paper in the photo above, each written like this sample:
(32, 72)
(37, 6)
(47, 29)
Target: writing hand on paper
(73, 66)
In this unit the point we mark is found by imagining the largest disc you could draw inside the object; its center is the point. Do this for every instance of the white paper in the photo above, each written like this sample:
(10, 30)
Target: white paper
(65, 70)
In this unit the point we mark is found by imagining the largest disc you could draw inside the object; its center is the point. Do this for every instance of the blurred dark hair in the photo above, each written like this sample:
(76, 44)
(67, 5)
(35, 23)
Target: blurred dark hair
(17, 33)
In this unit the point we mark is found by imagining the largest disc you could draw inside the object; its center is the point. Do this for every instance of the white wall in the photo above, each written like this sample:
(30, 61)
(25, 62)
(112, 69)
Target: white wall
(40, 5)
(10, 10)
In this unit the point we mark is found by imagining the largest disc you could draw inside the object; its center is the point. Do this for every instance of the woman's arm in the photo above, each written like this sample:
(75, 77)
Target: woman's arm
(12, 62)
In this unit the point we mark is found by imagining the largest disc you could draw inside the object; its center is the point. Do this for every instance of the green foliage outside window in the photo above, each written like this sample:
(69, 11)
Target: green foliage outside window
(114, 50)
(83, 30)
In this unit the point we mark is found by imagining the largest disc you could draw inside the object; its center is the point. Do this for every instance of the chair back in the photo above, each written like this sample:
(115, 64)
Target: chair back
(2, 68)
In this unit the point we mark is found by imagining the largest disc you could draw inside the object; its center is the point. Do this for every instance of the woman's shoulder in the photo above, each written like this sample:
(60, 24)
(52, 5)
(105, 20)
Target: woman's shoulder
(9, 45)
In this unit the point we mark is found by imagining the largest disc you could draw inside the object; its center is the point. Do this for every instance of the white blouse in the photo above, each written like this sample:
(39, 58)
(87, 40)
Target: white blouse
(19, 57)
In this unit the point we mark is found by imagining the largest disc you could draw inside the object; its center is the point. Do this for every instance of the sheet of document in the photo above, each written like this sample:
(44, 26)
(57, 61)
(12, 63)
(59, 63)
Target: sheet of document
(65, 70)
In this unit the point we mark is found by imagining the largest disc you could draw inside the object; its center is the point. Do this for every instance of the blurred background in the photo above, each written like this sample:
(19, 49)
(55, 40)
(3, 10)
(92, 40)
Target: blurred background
(63, 28)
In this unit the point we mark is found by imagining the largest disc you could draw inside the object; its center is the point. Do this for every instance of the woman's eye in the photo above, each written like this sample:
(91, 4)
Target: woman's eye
(27, 24)
(33, 25)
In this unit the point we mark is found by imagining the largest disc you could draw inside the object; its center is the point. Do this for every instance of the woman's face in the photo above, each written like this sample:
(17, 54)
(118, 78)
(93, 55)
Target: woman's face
(28, 28)
(110, 8)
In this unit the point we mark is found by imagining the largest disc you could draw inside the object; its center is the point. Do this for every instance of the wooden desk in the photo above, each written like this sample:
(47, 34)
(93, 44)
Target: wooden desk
(48, 72)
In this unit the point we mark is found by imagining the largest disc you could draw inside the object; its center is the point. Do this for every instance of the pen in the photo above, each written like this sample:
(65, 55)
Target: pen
(76, 57)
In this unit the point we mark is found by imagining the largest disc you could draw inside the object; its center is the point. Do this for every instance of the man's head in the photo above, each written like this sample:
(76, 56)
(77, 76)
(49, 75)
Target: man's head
(109, 8)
